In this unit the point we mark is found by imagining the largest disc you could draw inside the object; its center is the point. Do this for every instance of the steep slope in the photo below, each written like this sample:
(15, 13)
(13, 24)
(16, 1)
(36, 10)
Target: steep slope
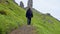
(46, 24)
(15, 16)
(12, 17)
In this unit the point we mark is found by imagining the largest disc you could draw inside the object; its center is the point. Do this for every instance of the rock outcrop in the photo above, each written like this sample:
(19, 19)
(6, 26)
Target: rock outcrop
(30, 3)
(21, 4)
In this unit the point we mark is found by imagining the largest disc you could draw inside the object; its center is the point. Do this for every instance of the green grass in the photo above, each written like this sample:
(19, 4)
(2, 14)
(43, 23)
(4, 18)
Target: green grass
(15, 17)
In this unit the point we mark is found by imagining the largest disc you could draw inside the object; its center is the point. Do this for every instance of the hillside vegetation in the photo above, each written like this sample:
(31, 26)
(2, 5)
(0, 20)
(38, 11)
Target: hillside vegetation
(12, 17)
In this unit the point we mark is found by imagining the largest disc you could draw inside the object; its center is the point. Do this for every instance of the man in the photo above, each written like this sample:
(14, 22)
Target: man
(29, 15)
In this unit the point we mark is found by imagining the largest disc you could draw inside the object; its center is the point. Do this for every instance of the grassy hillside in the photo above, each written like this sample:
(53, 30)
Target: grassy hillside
(12, 17)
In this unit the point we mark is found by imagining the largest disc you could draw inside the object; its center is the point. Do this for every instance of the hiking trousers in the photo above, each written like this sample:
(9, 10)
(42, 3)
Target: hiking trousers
(28, 21)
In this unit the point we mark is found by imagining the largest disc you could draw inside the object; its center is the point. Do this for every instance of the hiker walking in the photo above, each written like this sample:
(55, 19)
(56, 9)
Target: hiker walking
(29, 15)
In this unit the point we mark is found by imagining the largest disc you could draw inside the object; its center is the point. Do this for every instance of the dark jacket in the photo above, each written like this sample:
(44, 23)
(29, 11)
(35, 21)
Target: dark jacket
(29, 13)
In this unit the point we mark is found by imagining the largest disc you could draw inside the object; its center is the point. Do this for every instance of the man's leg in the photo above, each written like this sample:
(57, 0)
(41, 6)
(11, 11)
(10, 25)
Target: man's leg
(29, 21)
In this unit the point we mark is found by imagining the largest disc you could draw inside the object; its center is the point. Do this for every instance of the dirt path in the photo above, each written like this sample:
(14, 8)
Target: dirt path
(28, 29)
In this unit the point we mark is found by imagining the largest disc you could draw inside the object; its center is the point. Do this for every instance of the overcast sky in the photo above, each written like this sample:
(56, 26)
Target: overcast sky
(45, 6)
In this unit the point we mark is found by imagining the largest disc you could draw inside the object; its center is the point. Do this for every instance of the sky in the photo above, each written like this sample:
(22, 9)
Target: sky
(45, 6)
